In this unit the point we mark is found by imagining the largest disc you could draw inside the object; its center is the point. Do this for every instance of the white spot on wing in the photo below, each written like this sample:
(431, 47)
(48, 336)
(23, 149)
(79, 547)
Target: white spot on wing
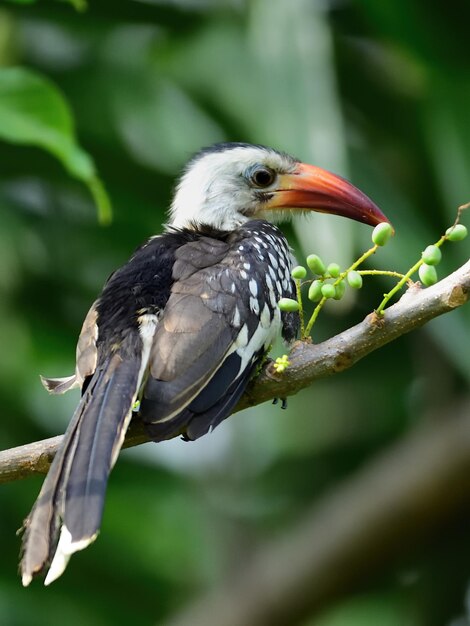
(236, 317)
(273, 260)
(242, 337)
(147, 327)
(265, 318)
(253, 285)
(254, 305)
(261, 338)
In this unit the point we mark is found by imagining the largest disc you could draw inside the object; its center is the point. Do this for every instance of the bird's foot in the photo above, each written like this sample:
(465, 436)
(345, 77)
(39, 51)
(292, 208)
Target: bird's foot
(283, 402)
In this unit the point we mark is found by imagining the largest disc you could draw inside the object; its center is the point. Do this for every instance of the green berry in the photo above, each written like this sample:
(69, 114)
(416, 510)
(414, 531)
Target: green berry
(354, 279)
(315, 264)
(298, 271)
(382, 233)
(328, 290)
(288, 304)
(457, 232)
(428, 274)
(432, 255)
(314, 291)
(339, 289)
(333, 270)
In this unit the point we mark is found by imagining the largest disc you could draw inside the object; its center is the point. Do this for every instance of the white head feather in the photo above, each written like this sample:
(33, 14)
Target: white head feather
(216, 190)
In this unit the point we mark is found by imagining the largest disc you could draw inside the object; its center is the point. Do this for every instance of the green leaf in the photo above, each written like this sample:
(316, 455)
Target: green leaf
(34, 112)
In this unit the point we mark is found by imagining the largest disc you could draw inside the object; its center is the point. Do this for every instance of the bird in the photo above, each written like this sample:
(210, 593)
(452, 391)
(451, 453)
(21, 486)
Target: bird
(180, 329)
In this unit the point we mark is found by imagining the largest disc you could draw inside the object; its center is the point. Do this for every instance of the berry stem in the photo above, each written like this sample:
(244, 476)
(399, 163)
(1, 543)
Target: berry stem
(360, 260)
(298, 290)
(313, 318)
(380, 273)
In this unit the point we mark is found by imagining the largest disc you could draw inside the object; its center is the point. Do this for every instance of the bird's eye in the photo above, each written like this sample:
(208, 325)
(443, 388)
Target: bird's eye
(262, 176)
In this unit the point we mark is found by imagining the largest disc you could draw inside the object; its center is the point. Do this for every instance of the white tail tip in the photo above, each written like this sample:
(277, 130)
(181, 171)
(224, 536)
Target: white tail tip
(65, 548)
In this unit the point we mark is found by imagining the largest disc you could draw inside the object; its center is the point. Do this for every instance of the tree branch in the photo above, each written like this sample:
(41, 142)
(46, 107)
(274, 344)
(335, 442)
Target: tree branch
(309, 362)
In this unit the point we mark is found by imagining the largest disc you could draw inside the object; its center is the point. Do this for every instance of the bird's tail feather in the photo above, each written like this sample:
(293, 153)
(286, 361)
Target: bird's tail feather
(67, 514)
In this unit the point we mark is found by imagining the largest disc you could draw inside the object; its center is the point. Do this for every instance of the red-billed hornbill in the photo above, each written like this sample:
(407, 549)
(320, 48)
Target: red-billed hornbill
(181, 327)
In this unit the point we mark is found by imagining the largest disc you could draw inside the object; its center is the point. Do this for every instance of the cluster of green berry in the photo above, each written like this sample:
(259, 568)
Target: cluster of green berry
(329, 281)
(432, 255)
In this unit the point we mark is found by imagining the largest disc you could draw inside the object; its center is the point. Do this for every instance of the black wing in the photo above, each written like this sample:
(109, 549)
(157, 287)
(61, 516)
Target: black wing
(220, 319)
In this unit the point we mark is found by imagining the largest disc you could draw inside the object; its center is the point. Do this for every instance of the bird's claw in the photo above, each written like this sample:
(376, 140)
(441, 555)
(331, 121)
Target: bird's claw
(283, 402)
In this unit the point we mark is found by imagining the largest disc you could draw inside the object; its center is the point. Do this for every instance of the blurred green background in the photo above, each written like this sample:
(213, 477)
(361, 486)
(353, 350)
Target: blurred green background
(376, 91)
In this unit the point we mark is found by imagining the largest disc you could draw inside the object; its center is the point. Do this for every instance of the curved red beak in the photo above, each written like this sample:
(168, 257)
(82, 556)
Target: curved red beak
(313, 188)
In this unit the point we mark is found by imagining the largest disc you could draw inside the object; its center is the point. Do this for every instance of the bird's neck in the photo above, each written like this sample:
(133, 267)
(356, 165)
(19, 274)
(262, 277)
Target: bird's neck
(208, 217)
